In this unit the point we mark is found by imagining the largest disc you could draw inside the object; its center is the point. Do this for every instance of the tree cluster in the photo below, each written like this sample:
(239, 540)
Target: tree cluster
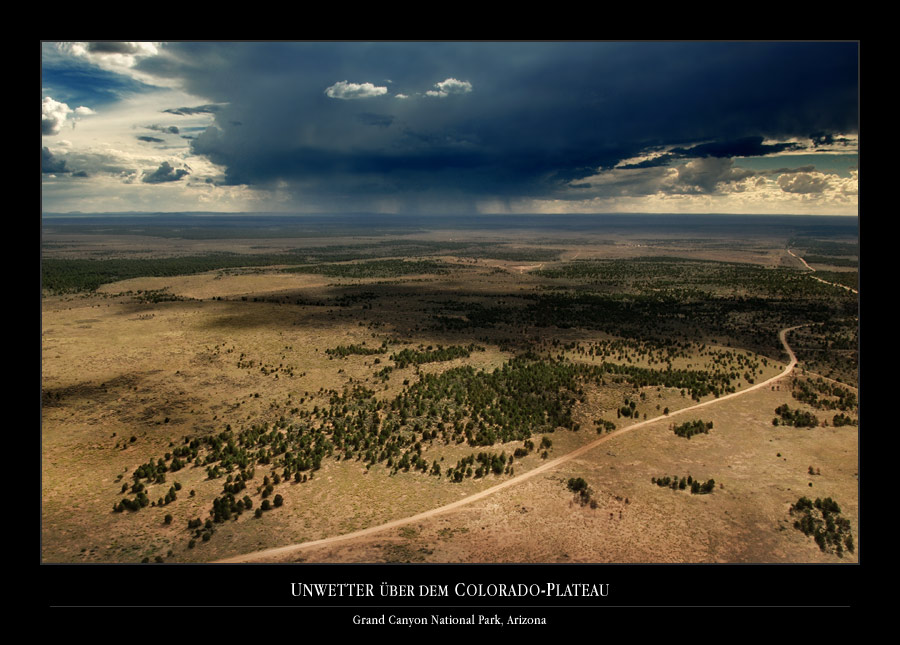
(824, 395)
(822, 521)
(432, 355)
(480, 465)
(582, 490)
(685, 483)
(843, 420)
(690, 428)
(343, 351)
(797, 418)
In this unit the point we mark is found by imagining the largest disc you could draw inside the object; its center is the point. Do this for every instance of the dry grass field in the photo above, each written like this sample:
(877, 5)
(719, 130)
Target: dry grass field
(747, 519)
(128, 378)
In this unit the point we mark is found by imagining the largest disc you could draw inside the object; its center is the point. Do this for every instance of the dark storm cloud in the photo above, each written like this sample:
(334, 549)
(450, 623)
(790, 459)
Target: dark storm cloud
(165, 129)
(199, 109)
(112, 48)
(745, 147)
(51, 163)
(381, 120)
(165, 173)
(534, 117)
(820, 139)
(787, 171)
(826, 139)
(149, 139)
(655, 162)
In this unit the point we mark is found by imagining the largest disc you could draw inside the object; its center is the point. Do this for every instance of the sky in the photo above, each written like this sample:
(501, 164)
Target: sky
(450, 127)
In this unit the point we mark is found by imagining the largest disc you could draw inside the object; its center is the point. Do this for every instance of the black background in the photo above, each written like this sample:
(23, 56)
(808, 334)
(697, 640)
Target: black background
(245, 590)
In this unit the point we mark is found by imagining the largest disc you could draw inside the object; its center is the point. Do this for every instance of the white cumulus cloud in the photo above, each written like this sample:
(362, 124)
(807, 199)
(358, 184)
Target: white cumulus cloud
(346, 90)
(113, 56)
(119, 58)
(54, 114)
(450, 86)
(804, 183)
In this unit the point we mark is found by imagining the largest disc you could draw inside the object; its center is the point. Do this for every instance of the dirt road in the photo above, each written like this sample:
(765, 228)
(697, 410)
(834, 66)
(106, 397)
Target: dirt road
(833, 284)
(281, 551)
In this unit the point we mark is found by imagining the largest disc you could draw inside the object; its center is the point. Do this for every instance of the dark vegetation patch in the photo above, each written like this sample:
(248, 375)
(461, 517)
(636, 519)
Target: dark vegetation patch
(458, 406)
(655, 274)
(376, 268)
(822, 521)
(154, 296)
(825, 247)
(528, 395)
(797, 418)
(823, 395)
(343, 351)
(432, 355)
(583, 492)
(830, 347)
(831, 261)
(72, 275)
(685, 483)
(531, 254)
(75, 275)
(659, 300)
(847, 278)
(690, 428)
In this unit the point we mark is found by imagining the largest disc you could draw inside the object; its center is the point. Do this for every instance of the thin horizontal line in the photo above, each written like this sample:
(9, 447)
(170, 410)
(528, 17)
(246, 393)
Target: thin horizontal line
(436, 607)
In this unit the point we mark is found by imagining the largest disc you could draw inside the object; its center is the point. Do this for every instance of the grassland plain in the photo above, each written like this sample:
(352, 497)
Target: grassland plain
(746, 519)
(138, 368)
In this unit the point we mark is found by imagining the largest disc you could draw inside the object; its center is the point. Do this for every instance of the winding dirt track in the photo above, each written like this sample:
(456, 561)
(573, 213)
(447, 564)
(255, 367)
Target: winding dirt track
(284, 550)
(833, 284)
